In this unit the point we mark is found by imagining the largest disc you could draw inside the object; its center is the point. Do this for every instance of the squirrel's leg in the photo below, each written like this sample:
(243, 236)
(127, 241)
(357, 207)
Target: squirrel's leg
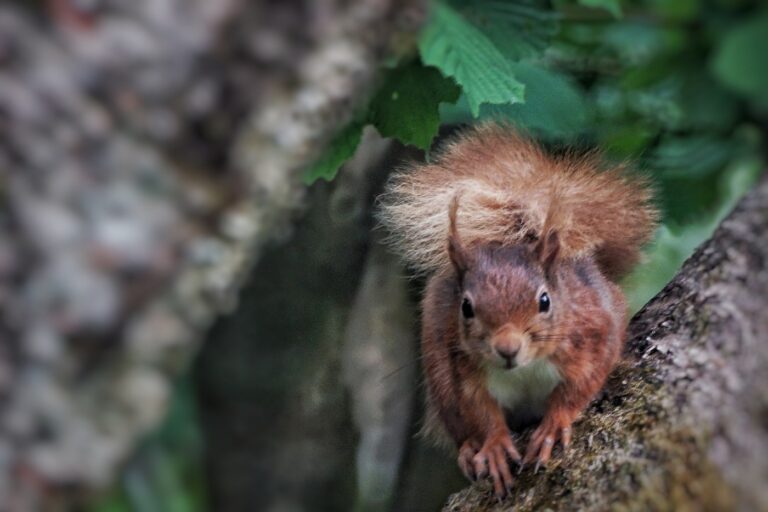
(567, 401)
(459, 395)
(581, 382)
(497, 448)
(471, 416)
(562, 410)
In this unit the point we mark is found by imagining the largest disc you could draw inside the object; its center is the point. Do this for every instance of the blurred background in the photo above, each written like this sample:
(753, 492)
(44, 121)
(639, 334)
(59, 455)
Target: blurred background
(196, 310)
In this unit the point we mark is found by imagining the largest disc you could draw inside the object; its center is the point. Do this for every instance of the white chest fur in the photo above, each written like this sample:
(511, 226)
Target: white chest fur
(524, 389)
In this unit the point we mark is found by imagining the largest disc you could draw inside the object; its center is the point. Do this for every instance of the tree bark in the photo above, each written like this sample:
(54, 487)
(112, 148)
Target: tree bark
(681, 424)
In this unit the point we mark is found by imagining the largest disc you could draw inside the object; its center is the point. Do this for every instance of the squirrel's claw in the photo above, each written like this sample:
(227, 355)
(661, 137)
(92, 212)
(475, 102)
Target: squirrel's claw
(565, 437)
(542, 442)
(493, 460)
(480, 462)
(466, 454)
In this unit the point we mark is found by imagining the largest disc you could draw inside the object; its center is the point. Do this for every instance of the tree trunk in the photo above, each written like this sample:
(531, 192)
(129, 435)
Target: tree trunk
(275, 411)
(681, 424)
(148, 152)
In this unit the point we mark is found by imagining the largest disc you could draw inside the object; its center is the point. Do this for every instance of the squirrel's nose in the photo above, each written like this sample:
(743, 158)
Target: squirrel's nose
(508, 355)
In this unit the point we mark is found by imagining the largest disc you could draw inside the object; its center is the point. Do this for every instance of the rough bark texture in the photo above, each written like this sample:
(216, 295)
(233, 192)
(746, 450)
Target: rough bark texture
(682, 422)
(148, 151)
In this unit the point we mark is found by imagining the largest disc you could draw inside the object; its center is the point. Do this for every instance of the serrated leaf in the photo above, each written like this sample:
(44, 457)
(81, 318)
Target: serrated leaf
(519, 29)
(740, 61)
(460, 50)
(689, 167)
(407, 105)
(612, 6)
(693, 157)
(340, 149)
(554, 107)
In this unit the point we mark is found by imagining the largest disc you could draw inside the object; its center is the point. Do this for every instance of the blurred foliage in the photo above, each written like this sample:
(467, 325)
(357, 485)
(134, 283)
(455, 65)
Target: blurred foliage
(612, 6)
(167, 473)
(677, 87)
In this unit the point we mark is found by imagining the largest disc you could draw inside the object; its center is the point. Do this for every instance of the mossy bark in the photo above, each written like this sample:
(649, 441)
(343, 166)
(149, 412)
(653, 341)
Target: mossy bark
(681, 424)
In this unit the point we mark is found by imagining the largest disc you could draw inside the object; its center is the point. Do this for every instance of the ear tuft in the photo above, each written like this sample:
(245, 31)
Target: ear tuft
(456, 251)
(546, 251)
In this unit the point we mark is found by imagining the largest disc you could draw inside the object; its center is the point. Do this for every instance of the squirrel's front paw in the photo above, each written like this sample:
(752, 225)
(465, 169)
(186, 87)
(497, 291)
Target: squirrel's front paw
(468, 450)
(544, 439)
(493, 460)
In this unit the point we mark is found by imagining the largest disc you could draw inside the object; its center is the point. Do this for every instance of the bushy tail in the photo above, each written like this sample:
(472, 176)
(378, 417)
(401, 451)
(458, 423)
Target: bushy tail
(508, 189)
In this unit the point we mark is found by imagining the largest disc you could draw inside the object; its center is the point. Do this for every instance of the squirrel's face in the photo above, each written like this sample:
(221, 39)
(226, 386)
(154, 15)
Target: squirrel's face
(507, 307)
(508, 303)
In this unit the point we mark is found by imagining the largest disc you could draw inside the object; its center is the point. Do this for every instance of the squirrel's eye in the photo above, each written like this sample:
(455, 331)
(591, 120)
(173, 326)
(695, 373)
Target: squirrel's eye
(466, 308)
(544, 303)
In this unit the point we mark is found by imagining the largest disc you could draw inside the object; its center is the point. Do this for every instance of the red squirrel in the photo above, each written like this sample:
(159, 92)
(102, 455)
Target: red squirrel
(521, 317)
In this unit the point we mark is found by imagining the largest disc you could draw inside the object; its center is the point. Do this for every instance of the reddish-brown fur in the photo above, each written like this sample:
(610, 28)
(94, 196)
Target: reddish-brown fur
(484, 302)
(509, 188)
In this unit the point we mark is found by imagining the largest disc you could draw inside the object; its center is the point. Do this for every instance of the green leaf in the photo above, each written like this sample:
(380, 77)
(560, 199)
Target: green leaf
(407, 105)
(679, 10)
(626, 141)
(519, 29)
(688, 168)
(612, 6)
(341, 148)
(692, 157)
(740, 62)
(554, 107)
(705, 104)
(460, 50)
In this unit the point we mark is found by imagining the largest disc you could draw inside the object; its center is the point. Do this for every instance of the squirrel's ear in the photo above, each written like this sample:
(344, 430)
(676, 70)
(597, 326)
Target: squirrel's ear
(546, 250)
(456, 251)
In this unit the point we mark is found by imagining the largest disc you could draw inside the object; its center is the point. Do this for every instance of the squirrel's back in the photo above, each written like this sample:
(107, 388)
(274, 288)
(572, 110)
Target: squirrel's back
(508, 188)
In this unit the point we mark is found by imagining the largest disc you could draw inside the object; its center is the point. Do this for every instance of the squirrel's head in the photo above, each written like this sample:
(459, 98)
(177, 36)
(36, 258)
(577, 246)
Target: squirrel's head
(508, 302)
